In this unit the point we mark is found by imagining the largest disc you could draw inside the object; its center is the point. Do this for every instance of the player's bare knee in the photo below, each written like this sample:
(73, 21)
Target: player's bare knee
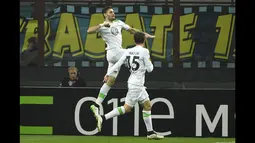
(127, 108)
(147, 108)
(111, 81)
(147, 105)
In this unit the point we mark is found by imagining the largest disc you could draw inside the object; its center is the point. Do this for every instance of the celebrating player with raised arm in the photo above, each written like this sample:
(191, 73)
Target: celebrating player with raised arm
(110, 31)
(138, 60)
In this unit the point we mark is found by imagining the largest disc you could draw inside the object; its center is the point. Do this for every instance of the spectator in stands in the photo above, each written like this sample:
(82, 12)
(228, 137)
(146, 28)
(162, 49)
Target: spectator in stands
(74, 80)
(30, 55)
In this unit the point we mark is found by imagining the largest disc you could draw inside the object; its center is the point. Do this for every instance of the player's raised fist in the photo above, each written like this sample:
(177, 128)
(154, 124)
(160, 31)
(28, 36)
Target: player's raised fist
(105, 24)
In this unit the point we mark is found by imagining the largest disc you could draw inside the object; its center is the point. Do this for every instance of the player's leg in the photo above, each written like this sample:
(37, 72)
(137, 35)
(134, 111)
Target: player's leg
(129, 104)
(112, 58)
(104, 90)
(115, 112)
(145, 101)
(118, 111)
(147, 115)
(107, 85)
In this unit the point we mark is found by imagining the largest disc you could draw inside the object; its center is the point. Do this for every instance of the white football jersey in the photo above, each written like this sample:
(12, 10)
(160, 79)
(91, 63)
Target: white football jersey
(112, 35)
(138, 61)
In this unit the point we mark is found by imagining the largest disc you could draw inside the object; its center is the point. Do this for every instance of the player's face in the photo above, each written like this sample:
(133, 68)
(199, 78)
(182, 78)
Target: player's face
(110, 15)
(72, 74)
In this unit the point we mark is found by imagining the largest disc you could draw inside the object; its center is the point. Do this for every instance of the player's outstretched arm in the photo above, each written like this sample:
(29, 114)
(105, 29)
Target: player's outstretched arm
(133, 31)
(96, 28)
(147, 61)
(93, 29)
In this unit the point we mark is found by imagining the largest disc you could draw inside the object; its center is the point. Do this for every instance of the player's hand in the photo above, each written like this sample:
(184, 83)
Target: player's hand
(106, 77)
(149, 36)
(105, 24)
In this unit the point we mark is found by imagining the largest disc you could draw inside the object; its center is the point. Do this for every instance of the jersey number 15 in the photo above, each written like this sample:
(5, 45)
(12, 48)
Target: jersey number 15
(132, 63)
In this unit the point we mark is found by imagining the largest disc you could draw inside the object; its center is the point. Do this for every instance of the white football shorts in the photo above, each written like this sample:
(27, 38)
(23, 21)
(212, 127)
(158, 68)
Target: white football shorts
(136, 94)
(113, 56)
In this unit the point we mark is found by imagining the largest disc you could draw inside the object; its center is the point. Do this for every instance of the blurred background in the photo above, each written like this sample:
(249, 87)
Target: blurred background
(194, 45)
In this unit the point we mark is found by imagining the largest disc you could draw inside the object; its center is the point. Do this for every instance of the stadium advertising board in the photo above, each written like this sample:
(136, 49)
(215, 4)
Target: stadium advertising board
(175, 113)
(205, 32)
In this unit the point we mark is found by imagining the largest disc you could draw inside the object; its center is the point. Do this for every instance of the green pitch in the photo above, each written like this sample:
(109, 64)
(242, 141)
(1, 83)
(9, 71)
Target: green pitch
(112, 139)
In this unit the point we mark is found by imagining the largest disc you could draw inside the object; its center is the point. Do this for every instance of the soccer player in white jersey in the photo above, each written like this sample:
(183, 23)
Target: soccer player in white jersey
(139, 62)
(110, 30)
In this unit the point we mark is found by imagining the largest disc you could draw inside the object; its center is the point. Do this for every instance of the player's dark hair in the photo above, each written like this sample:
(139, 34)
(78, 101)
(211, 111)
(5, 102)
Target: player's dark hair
(139, 37)
(106, 9)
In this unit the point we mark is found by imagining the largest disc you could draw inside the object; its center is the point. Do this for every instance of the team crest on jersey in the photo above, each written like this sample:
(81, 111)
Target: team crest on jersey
(114, 31)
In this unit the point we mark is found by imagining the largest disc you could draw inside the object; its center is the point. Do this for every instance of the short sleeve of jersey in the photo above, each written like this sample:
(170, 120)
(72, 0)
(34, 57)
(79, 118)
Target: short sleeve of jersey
(147, 54)
(124, 25)
(147, 58)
